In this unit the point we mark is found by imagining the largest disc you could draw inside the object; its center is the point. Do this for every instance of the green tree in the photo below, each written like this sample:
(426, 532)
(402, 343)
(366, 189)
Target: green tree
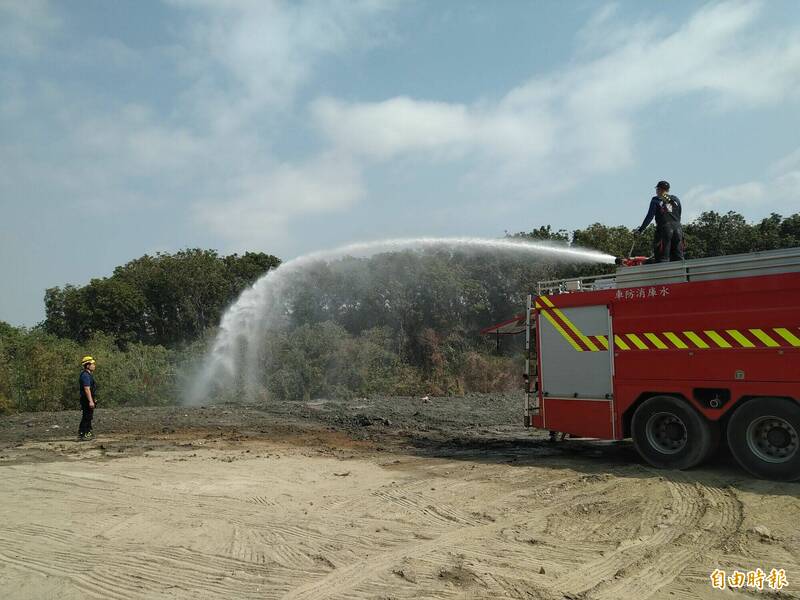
(790, 231)
(616, 241)
(166, 299)
(713, 234)
(541, 233)
(142, 375)
(40, 370)
(7, 332)
(325, 361)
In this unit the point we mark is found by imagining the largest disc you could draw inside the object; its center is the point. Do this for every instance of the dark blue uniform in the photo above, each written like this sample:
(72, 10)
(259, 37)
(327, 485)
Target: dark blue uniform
(85, 380)
(668, 242)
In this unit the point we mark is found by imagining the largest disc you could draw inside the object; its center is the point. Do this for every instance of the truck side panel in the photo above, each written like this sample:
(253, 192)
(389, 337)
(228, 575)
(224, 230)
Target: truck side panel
(700, 339)
(741, 336)
(583, 418)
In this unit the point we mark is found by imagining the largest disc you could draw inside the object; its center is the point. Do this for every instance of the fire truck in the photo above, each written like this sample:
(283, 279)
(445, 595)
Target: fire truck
(679, 356)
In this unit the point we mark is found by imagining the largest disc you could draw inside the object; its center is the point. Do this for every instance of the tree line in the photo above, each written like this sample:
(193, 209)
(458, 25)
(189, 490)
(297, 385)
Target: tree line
(395, 323)
(166, 299)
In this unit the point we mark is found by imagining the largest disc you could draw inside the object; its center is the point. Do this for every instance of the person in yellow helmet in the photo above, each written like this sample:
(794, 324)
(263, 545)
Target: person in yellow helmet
(87, 387)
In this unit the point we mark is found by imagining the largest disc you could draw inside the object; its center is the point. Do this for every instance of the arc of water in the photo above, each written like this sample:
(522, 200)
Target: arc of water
(244, 323)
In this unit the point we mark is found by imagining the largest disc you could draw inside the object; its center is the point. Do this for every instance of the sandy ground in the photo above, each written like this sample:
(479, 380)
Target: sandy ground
(391, 498)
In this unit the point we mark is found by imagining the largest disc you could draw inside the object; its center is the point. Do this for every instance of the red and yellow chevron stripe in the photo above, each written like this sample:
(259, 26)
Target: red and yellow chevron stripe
(768, 337)
(774, 337)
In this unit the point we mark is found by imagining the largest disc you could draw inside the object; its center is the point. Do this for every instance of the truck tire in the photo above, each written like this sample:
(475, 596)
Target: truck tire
(763, 436)
(670, 434)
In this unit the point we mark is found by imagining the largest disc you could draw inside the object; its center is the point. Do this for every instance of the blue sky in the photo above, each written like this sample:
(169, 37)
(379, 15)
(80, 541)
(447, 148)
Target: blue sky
(133, 127)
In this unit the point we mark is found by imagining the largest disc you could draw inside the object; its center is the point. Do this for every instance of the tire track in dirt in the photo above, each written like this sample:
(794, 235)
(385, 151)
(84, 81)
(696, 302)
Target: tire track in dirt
(337, 583)
(261, 500)
(208, 575)
(86, 582)
(423, 506)
(71, 482)
(29, 541)
(291, 532)
(262, 547)
(639, 568)
(130, 570)
(687, 511)
(135, 489)
(654, 510)
(412, 503)
(304, 553)
(722, 518)
(294, 546)
(503, 557)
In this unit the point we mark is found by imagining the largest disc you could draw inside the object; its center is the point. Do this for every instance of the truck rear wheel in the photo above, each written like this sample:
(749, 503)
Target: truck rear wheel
(671, 434)
(763, 438)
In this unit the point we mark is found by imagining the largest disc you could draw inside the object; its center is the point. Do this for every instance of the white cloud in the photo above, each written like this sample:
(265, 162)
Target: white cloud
(248, 59)
(107, 159)
(251, 56)
(777, 192)
(580, 120)
(742, 197)
(788, 163)
(395, 126)
(24, 24)
(264, 203)
(240, 65)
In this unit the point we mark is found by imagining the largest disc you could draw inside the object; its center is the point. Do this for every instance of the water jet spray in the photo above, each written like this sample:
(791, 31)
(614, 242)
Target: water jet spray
(245, 324)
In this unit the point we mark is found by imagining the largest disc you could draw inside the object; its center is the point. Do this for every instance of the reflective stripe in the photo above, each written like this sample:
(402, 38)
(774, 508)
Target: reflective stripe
(675, 340)
(743, 341)
(765, 339)
(563, 317)
(656, 341)
(565, 328)
(695, 339)
(717, 339)
(788, 336)
(632, 341)
(637, 341)
(618, 341)
(560, 329)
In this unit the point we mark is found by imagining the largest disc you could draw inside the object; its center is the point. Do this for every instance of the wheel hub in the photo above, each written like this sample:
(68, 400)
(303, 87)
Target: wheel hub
(666, 432)
(674, 432)
(772, 439)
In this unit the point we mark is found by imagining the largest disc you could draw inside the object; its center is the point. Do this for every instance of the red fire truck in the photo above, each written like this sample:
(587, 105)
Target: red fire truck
(677, 356)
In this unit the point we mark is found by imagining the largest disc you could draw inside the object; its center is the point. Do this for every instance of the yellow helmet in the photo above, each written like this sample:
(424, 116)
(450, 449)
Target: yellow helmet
(86, 360)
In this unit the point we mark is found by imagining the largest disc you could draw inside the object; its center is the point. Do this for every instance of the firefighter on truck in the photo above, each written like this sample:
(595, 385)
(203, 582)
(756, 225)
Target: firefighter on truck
(666, 210)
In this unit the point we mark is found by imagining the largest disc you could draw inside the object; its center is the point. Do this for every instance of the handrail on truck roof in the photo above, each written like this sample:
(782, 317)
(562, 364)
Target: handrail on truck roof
(575, 284)
(751, 264)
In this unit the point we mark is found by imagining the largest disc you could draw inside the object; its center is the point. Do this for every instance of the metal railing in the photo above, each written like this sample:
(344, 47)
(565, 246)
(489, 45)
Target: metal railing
(769, 262)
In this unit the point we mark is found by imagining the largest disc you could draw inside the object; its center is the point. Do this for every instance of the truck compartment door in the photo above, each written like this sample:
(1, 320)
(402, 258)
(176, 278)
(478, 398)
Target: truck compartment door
(575, 358)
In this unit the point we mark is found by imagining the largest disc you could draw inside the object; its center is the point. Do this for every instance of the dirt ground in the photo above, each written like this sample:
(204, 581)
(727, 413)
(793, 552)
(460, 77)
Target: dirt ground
(386, 498)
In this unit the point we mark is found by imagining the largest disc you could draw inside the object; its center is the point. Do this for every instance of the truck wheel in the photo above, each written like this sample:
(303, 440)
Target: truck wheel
(670, 434)
(763, 438)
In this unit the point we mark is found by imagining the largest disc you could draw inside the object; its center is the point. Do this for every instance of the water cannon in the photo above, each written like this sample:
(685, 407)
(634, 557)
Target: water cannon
(631, 261)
